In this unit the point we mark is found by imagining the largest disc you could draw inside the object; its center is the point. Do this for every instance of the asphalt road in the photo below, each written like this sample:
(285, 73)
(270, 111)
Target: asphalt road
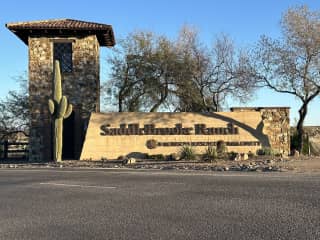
(131, 204)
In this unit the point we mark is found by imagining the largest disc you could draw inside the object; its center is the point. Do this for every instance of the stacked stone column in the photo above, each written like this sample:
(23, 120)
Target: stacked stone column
(81, 87)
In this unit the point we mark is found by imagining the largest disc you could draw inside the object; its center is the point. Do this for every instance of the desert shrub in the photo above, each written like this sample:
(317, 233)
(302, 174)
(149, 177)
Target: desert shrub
(232, 155)
(210, 154)
(222, 149)
(263, 151)
(266, 151)
(260, 152)
(187, 153)
(171, 157)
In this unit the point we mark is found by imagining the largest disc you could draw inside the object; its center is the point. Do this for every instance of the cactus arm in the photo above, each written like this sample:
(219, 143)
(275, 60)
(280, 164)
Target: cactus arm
(51, 106)
(57, 82)
(69, 111)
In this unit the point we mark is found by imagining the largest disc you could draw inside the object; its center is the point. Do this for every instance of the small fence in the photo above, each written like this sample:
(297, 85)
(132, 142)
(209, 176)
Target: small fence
(14, 150)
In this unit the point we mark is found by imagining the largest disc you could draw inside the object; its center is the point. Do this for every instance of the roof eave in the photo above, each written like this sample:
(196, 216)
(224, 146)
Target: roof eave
(105, 38)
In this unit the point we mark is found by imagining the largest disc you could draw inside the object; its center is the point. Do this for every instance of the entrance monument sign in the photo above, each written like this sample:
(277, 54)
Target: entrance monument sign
(89, 134)
(110, 135)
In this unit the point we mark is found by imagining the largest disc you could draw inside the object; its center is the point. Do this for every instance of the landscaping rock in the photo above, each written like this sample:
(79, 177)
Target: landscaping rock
(296, 154)
(241, 157)
(268, 169)
(235, 168)
(269, 161)
(131, 160)
(220, 169)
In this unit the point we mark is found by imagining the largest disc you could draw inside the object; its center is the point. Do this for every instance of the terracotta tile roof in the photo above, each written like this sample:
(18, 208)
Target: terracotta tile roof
(63, 27)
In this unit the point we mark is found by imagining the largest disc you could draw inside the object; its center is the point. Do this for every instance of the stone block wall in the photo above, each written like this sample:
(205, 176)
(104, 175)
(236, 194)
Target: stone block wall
(81, 87)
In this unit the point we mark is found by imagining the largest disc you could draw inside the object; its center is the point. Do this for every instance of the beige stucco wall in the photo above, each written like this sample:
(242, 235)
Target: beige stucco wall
(250, 125)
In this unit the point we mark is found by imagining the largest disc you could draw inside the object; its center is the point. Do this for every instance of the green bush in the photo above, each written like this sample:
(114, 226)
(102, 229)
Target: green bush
(210, 154)
(187, 153)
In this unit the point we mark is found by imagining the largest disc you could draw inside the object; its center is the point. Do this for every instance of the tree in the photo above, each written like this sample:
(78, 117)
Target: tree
(190, 90)
(14, 112)
(291, 64)
(210, 75)
(152, 73)
(142, 72)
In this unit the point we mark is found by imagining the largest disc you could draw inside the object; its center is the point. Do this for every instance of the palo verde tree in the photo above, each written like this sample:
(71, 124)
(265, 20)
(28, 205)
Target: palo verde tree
(291, 64)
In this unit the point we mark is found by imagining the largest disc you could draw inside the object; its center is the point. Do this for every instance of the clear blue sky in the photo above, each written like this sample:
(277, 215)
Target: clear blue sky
(243, 20)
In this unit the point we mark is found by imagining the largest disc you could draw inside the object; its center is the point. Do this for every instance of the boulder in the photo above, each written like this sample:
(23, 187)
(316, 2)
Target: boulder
(131, 160)
(296, 154)
(241, 157)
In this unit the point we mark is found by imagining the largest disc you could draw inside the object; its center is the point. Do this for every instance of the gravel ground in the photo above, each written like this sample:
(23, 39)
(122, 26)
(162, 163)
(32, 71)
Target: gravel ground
(261, 164)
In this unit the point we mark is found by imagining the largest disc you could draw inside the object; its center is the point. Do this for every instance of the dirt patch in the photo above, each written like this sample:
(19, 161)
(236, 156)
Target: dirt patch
(303, 164)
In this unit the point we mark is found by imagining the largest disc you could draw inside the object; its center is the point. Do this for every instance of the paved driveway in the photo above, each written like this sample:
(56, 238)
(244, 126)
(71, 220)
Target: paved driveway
(131, 204)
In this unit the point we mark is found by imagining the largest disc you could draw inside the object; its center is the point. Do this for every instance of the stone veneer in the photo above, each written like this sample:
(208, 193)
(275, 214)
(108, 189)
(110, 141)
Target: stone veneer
(81, 87)
(276, 125)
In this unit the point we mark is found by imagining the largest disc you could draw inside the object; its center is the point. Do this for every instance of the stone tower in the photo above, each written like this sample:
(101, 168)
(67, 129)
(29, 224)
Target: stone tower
(76, 45)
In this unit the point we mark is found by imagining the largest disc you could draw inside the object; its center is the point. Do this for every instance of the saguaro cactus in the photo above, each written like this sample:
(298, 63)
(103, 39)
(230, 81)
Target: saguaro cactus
(59, 109)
